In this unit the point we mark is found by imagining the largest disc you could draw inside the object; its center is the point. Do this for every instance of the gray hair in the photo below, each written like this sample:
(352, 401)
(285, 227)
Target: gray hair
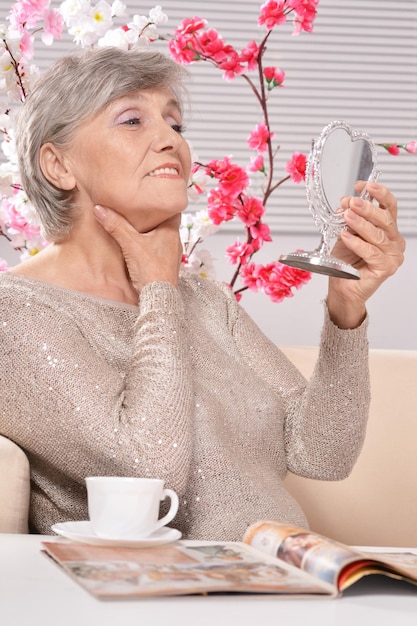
(76, 87)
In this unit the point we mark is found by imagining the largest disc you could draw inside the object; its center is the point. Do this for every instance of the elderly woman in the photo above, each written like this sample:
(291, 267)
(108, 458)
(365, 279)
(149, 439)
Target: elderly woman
(113, 363)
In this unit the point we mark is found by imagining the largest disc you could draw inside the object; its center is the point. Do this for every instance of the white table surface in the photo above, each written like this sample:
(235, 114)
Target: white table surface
(35, 592)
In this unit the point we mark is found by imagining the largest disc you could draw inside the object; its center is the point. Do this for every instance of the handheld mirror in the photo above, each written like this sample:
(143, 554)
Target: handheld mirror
(338, 158)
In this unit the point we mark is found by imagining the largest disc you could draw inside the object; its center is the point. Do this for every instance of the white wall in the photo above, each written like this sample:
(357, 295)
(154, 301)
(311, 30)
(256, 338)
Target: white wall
(297, 320)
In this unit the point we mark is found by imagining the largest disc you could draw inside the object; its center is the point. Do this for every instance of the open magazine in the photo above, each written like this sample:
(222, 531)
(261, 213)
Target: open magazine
(273, 558)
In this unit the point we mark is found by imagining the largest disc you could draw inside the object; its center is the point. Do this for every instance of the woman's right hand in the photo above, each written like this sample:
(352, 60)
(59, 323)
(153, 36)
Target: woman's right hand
(152, 256)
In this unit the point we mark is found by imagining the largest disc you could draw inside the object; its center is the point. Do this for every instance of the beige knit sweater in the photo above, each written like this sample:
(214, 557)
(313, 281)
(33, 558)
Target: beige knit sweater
(184, 387)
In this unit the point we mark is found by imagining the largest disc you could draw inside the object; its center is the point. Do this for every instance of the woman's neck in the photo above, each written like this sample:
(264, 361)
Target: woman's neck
(93, 265)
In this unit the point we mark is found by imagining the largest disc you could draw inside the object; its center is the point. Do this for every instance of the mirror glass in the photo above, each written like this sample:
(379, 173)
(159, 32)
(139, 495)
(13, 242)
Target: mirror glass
(343, 162)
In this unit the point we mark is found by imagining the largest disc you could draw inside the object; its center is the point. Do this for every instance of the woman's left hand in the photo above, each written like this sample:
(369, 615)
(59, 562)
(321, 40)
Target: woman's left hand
(373, 245)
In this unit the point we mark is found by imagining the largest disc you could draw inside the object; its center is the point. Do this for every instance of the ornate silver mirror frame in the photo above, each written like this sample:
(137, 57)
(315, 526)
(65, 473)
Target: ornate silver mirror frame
(338, 158)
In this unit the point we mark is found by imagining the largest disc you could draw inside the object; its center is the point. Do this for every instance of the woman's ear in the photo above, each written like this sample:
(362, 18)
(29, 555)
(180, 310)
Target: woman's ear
(54, 167)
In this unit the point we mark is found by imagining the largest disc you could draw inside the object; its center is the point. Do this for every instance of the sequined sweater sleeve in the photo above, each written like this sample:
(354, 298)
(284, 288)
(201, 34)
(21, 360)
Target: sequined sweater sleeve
(326, 416)
(73, 408)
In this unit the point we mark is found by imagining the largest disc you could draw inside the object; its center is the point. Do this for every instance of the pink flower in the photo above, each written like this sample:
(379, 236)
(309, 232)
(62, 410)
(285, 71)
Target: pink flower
(273, 285)
(219, 207)
(251, 276)
(232, 178)
(294, 276)
(212, 46)
(3, 265)
(251, 210)
(192, 43)
(272, 13)
(25, 14)
(16, 222)
(184, 47)
(274, 279)
(303, 7)
(259, 137)
(392, 148)
(274, 77)
(260, 233)
(257, 164)
(297, 167)
(306, 12)
(278, 280)
(190, 26)
(53, 23)
(239, 252)
(250, 55)
(26, 47)
(232, 66)
(182, 51)
(411, 147)
(302, 22)
(269, 73)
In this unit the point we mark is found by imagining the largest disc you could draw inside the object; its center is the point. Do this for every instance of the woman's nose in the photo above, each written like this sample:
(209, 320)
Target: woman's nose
(166, 138)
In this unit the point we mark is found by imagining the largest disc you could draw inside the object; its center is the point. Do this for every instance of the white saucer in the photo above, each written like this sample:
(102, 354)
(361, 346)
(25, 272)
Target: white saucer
(82, 532)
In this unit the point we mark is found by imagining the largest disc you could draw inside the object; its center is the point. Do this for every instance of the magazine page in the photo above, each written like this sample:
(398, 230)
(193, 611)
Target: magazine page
(320, 556)
(397, 562)
(186, 567)
(326, 559)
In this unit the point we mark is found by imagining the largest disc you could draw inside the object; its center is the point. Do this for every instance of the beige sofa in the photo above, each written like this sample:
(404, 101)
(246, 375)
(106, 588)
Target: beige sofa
(14, 488)
(376, 505)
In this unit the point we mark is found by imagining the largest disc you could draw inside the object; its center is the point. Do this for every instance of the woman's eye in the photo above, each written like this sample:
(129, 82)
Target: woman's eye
(132, 121)
(179, 128)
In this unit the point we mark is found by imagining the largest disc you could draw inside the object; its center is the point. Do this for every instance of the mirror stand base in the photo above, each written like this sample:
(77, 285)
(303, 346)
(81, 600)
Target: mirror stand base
(320, 264)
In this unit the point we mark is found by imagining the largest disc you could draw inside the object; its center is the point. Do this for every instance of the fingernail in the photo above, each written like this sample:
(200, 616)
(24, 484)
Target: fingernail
(100, 212)
(357, 202)
(350, 215)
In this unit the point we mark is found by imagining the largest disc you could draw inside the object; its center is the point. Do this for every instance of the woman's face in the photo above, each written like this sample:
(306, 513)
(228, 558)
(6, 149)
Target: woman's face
(132, 158)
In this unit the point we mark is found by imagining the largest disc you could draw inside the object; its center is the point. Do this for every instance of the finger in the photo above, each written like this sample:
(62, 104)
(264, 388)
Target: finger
(388, 241)
(114, 223)
(365, 228)
(382, 262)
(380, 246)
(358, 187)
(384, 197)
(373, 218)
(170, 227)
(344, 204)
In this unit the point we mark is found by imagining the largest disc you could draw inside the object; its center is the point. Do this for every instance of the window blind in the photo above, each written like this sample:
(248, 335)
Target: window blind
(359, 65)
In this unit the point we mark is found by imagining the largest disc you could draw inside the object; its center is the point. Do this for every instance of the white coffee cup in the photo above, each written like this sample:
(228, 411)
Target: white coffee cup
(127, 508)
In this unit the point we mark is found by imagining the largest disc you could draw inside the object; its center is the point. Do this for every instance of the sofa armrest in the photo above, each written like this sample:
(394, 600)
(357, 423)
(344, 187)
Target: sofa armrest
(377, 503)
(14, 488)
